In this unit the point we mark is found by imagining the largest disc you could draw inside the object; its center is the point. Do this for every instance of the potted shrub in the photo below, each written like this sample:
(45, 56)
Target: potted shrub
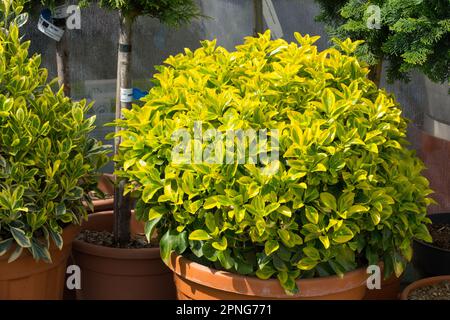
(336, 191)
(115, 265)
(408, 35)
(47, 161)
(434, 288)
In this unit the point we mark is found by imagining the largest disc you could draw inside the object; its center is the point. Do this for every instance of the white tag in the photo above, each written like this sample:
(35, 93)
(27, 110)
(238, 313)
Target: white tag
(126, 95)
(270, 15)
(60, 12)
(49, 29)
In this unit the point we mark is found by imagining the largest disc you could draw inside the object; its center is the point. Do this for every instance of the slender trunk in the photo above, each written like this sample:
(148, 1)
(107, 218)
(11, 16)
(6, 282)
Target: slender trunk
(122, 204)
(62, 59)
(375, 72)
(258, 12)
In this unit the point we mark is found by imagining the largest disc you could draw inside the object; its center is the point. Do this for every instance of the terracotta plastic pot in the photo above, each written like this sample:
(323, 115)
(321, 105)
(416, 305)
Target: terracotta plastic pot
(422, 283)
(389, 288)
(197, 282)
(106, 185)
(26, 279)
(120, 274)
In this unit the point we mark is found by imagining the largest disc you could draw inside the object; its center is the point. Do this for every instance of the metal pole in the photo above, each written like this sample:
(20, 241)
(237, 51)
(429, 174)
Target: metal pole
(258, 14)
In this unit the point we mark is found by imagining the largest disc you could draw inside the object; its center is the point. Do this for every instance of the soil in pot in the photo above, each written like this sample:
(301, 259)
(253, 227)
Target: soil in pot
(110, 273)
(438, 291)
(197, 282)
(434, 288)
(440, 232)
(27, 279)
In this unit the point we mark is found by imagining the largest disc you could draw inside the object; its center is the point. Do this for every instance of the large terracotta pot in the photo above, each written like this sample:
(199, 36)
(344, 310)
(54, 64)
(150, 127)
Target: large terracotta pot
(197, 282)
(120, 274)
(389, 288)
(422, 283)
(26, 279)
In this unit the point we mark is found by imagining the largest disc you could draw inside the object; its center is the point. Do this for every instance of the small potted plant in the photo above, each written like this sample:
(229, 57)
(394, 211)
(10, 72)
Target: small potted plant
(129, 266)
(300, 217)
(433, 288)
(47, 161)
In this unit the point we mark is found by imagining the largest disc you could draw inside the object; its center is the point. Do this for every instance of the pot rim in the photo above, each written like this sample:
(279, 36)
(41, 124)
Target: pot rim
(422, 283)
(253, 286)
(430, 216)
(431, 246)
(114, 253)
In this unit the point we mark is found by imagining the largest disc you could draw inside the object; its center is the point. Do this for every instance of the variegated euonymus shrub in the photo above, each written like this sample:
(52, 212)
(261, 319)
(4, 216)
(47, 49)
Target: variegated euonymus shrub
(345, 192)
(47, 160)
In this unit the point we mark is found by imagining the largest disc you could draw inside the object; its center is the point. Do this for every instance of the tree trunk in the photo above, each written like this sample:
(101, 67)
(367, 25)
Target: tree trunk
(62, 59)
(122, 204)
(375, 72)
(258, 12)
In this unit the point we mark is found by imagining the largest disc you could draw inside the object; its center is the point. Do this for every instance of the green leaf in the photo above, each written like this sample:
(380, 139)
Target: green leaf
(357, 209)
(320, 167)
(285, 211)
(312, 214)
(173, 241)
(265, 273)
(325, 241)
(306, 263)
(328, 100)
(57, 238)
(5, 245)
(343, 235)
(220, 245)
(225, 259)
(376, 217)
(285, 238)
(312, 253)
(149, 191)
(328, 200)
(15, 254)
(346, 200)
(422, 233)
(199, 235)
(271, 246)
(20, 237)
(40, 252)
(150, 227)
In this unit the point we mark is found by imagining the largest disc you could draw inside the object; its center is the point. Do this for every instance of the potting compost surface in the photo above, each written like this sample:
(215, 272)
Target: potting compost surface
(440, 291)
(106, 239)
(440, 234)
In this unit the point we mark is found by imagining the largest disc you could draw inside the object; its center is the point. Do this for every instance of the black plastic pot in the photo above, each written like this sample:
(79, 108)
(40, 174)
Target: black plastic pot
(428, 260)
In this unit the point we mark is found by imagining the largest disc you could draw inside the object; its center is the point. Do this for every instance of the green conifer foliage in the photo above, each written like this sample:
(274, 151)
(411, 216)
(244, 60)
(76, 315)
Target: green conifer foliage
(413, 34)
